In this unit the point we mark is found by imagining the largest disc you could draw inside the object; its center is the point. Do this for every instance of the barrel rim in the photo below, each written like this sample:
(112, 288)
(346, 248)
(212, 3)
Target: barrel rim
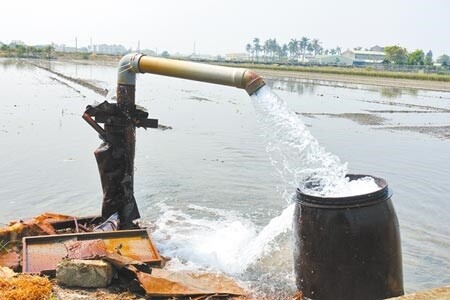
(382, 194)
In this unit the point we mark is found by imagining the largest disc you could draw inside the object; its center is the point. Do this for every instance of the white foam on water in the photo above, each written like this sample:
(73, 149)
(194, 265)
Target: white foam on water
(360, 186)
(225, 242)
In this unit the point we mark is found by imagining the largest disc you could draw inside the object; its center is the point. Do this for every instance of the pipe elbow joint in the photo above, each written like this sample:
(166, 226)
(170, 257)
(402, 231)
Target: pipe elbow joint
(252, 82)
(127, 68)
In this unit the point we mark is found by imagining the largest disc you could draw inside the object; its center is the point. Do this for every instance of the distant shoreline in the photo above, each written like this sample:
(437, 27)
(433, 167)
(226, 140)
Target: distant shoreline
(432, 82)
(317, 74)
(420, 84)
(423, 81)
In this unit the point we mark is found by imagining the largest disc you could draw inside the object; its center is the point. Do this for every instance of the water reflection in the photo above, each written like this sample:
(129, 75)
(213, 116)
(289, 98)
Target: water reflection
(309, 86)
(14, 63)
(298, 87)
(396, 92)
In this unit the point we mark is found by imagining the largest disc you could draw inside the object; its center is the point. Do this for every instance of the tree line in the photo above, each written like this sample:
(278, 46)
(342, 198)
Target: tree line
(400, 56)
(271, 50)
(295, 50)
(26, 51)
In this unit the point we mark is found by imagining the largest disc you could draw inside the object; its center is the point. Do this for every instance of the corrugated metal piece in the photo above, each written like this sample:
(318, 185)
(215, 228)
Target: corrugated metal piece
(163, 283)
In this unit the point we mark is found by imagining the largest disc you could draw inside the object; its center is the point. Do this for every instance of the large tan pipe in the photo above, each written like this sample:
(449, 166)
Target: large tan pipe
(237, 77)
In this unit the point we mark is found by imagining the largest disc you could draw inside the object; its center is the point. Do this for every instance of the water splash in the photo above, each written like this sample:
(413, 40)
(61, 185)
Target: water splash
(297, 156)
(225, 241)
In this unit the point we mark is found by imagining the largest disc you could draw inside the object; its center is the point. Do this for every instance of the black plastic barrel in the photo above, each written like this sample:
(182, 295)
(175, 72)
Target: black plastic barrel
(348, 247)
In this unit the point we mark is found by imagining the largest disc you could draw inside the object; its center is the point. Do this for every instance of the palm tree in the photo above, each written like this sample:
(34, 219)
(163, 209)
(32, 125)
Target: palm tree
(267, 48)
(256, 47)
(338, 50)
(333, 51)
(274, 48)
(293, 48)
(304, 45)
(249, 49)
(284, 51)
(310, 48)
(316, 46)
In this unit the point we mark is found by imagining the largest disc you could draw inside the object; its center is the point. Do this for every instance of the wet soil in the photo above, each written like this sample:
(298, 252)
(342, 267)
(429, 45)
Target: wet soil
(442, 132)
(360, 118)
(84, 83)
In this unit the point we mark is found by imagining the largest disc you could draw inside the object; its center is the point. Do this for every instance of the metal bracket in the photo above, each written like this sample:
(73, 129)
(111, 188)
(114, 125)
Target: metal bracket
(110, 114)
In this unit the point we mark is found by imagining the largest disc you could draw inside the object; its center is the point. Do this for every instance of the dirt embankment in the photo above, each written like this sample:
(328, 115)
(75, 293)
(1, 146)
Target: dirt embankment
(79, 81)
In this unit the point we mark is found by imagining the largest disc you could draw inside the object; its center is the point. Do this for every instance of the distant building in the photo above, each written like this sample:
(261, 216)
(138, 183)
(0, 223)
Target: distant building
(110, 49)
(237, 57)
(306, 58)
(361, 57)
(377, 48)
(64, 48)
(201, 57)
(337, 60)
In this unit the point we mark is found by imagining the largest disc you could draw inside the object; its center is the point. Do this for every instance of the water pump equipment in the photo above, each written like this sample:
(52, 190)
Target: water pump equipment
(115, 156)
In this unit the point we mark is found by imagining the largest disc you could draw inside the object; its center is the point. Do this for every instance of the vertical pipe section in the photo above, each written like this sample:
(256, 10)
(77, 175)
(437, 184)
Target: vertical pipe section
(124, 152)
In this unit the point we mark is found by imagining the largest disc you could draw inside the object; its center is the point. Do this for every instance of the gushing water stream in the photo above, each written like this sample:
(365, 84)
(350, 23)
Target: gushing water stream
(297, 156)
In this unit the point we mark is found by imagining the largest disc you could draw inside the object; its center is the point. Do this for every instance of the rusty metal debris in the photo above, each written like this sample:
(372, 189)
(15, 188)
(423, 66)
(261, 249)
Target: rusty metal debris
(41, 254)
(121, 262)
(92, 249)
(11, 236)
(40, 225)
(10, 260)
(131, 252)
(163, 283)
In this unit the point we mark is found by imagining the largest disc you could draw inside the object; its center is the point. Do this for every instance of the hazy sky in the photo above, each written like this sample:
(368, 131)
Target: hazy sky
(226, 26)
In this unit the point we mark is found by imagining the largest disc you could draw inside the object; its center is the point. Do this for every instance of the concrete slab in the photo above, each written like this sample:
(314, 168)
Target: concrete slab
(84, 273)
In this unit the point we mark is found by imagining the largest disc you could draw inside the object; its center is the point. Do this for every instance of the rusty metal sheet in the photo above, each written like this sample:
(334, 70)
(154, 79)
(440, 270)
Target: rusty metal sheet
(92, 249)
(39, 225)
(10, 260)
(120, 261)
(163, 283)
(41, 254)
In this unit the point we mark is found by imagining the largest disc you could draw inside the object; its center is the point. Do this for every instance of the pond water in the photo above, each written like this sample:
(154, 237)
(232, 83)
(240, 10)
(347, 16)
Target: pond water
(207, 187)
